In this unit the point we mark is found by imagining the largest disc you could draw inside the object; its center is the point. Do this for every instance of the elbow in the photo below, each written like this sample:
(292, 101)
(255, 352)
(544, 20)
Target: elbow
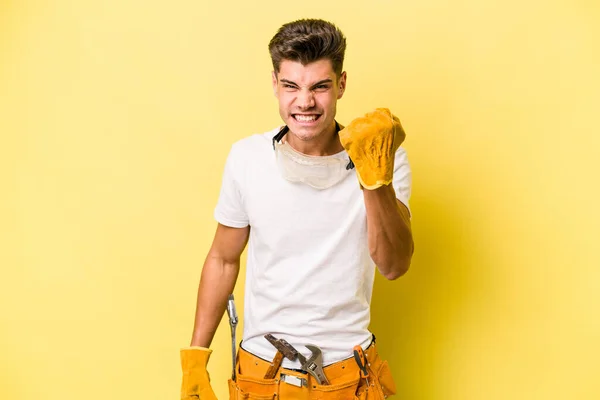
(397, 270)
(395, 267)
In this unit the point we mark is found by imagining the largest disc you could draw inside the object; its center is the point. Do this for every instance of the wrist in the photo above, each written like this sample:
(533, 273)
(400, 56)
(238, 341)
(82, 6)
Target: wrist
(383, 190)
(201, 339)
(196, 348)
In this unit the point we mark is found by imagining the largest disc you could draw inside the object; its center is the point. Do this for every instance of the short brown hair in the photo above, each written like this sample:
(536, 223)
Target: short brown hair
(306, 41)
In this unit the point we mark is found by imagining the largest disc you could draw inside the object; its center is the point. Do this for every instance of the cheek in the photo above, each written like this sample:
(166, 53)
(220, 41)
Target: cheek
(326, 101)
(285, 98)
(285, 110)
(283, 101)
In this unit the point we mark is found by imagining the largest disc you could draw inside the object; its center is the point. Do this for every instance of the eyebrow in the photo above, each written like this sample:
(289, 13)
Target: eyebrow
(328, 80)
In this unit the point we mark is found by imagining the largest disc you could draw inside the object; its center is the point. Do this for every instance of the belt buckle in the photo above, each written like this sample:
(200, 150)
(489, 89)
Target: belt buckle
(294, 380)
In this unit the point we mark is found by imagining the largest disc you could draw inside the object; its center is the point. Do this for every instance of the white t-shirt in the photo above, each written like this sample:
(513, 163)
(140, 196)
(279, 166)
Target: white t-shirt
(309, 274)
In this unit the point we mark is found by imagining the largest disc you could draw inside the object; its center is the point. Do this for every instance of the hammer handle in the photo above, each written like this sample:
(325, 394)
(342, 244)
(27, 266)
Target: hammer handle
(275, 364)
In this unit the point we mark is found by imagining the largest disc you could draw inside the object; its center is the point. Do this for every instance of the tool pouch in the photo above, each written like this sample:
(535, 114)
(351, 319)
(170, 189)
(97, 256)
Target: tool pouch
(344, 390)
(381, 382)
(386, 380)
(344, 376)
(249, 384)
(246, 389)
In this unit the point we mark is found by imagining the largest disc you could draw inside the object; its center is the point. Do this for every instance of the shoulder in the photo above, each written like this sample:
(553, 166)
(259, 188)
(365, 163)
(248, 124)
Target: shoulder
(401, 156)
(402, 169)
(253, 145)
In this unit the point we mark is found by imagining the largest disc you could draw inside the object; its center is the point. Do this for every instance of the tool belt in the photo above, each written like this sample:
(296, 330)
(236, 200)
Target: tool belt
(344, 378)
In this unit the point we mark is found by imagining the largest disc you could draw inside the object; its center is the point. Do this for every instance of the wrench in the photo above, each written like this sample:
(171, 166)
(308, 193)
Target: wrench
(313, 365)
(233, 320)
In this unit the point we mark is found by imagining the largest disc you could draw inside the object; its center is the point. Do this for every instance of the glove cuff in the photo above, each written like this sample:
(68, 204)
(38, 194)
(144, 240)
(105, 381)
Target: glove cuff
(196, 348)
(373, 185)
(194, 357)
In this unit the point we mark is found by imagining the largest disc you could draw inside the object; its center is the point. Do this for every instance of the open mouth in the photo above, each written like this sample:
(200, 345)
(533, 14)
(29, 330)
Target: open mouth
(306, 118)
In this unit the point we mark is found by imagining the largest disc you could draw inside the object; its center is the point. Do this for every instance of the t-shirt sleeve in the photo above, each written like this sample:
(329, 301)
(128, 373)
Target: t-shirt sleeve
(230, 207)
(402, 180)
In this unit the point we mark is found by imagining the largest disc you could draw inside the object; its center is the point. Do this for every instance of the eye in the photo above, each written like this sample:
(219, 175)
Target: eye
(286, 86)
(321, 87)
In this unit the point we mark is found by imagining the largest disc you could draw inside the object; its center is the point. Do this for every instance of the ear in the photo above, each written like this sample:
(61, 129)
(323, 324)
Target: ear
(342, 85)
(274, 82)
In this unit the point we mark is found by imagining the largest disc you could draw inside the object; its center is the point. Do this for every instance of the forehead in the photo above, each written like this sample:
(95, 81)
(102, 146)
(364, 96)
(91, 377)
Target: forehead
(306, 74)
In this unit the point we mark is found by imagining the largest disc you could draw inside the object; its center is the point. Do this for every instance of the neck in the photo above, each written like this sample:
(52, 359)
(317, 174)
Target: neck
(324, 144)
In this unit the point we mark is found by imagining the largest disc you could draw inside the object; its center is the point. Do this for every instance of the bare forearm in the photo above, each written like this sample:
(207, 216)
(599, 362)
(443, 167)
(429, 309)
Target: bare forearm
(216, 283)
(389, 232)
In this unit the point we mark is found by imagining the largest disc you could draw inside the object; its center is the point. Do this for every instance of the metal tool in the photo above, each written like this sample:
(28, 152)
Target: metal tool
(313, 365)
(361, 360)
(283, 346)
(293, 380)
(284, 349)
(233, 320)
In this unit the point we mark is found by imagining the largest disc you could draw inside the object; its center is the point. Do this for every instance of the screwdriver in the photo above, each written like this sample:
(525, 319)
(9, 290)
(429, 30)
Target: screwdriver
(359, 357)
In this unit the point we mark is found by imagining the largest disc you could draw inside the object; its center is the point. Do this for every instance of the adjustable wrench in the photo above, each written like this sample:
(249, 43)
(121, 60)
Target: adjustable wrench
(313, 365)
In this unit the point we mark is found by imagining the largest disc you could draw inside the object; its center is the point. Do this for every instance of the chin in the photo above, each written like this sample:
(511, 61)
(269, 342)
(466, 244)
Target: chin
(304, 134)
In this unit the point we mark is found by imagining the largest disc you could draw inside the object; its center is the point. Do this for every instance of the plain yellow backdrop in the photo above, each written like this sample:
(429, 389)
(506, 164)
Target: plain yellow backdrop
(116, 118)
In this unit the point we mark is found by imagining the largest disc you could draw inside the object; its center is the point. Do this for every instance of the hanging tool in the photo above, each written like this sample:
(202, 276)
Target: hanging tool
(361, 360)
(233, 320)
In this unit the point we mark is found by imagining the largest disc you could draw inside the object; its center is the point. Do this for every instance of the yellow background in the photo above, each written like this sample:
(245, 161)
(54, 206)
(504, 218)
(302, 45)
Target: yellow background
(116, 118)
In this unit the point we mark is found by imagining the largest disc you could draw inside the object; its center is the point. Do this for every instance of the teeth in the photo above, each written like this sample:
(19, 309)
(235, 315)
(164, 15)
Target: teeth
(306, 118)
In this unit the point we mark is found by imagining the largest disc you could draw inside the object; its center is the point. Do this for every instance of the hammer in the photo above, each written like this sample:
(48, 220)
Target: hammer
(284, 349)
(314, 365)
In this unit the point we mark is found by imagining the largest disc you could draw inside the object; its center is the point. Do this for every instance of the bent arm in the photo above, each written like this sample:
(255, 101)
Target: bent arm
(217, 281)
(389, 232)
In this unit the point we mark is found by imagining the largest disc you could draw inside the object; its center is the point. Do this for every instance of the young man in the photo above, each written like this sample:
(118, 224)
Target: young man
(321, 208)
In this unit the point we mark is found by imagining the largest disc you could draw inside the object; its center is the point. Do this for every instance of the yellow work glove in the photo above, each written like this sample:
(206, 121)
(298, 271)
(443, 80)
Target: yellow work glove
(371, 142)
(196, 381)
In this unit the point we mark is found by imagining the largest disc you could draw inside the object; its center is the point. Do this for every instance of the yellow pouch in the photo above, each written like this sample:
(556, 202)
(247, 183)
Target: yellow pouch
(250, 383)
(371, 142)
(344, 378)
(339, 391)
(196, 380)
(386, 380)
(381, 381)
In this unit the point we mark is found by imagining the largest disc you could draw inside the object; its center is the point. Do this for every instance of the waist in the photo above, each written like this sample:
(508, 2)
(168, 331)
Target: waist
(335, 348)
(254, 366)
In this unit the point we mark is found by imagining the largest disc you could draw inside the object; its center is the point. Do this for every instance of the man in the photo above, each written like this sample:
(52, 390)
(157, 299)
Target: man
(321, 207)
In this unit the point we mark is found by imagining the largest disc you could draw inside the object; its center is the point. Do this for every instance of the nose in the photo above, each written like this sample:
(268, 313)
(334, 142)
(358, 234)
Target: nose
(305, 99)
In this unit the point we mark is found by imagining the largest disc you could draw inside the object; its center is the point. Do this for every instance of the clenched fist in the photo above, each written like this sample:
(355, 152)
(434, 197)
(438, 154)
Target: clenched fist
(371, 142)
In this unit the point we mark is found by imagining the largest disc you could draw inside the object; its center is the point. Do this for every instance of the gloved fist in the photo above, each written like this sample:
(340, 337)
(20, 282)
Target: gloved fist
(371, 142)
(196, 381)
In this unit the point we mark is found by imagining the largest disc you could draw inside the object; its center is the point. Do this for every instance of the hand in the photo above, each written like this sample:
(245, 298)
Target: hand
(196, 381)
(371, 142)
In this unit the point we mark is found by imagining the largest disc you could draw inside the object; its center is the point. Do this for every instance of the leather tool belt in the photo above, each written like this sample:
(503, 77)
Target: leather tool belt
(345, 381)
